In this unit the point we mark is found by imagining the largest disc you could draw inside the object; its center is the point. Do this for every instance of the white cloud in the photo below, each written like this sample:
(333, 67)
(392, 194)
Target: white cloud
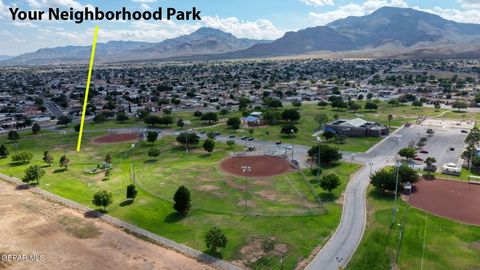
(354, 10)
(43, 4)
(144, 1)
(145, 6)
(470, 4)
(3, 9)
(24, 24)
(317, 3)
(259, 29)
(464, 16)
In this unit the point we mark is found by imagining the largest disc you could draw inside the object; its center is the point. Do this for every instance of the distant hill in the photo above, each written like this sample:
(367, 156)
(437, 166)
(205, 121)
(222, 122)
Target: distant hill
(203, 41)
(387, 32)
(400, 27)
(5, 57)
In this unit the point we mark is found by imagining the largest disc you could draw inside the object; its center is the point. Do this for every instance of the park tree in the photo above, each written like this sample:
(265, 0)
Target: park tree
(459, 105)
(153, 152)
(151, 120)
(473, 137)
(417, 103)
(180, 123)
(182, 200)
(407, 174)
(330, 182)
(469, 153)
(131, 192)
(268, 245)
(297, 103)
(291, 115)
(383, 180)
(36, 128)
(430, 167)
(328, 135)
(13, 136)
(64, 162)
(197, 114)
(337, 102)
(64, 120)
(393, 102)
(353, 106)
(272, 117)
(3, 151)
(215, 239)
(289, 130)
(165, 120)
(122, 117)
(108, 158)
(321, 119)
(328, 154)
(408, 152)
(234, 122)
(390, 118)
(22, 158)
(188, 138)
(371, 106)
(102, 199)
(437, 106)
(47, 158)
(33, 173)
(108, 173)
(369, 96)
(231, 143)
(167, 111)
(209, 145)
(152, 136)
(209, 117)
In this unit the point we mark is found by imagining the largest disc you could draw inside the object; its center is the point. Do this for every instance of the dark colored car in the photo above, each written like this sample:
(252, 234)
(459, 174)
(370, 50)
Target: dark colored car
(464, 131)
(452, 149)
(418, 158)
(423, 152)
(244, 137)
(250, 139)
(278, 142)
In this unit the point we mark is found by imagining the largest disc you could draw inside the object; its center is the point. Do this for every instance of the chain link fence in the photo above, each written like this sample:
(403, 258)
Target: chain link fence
(139, 232)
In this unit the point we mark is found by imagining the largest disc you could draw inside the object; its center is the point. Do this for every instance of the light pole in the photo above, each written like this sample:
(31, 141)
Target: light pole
(397, 165)
(371, 168)
(319, 141)
(246, 169)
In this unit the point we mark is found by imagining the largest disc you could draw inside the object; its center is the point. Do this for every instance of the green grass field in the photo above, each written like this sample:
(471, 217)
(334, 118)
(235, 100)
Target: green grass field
(448, 244)
(277, 205)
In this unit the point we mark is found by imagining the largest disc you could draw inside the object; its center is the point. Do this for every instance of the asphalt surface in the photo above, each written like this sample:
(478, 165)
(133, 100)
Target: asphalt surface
(342, 245)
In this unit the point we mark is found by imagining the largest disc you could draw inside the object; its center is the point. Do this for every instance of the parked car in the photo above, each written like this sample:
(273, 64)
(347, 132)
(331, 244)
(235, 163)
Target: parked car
(464, 131)
(203, 132)
(452, 149)
(217, 133)
(278, 142)
(418, 158)
(244, 137)
(423, 152)
(231, 136)
(250, 139)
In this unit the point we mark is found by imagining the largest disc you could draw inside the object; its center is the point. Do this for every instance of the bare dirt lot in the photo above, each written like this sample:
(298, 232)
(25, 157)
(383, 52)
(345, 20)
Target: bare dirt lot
(115, 138)
(451, 199)
(260, 166)
(63, 238)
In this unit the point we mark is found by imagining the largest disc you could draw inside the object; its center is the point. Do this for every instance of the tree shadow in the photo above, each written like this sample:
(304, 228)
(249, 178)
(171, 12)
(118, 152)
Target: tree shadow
(93, 213)
(23, 187)
(174, 217)
(383, 196)
(212, 253)
(207, 155)
(16, 164)
(127, 202)
(59, 170)
(327, 196)
(148, 161)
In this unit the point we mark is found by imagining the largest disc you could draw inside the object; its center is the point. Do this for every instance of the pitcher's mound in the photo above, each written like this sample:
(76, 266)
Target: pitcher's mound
(260, 166)
(116, 138)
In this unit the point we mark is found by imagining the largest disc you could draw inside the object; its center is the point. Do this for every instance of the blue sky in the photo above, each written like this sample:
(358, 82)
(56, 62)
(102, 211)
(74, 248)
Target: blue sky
(259, 19)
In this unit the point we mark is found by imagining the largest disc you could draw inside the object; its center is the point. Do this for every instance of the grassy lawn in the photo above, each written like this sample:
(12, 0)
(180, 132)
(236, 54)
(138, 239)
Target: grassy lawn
(277, 205)
(448, 244)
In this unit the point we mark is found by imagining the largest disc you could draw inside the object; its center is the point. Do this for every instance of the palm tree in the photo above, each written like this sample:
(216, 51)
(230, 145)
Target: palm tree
(390, 117)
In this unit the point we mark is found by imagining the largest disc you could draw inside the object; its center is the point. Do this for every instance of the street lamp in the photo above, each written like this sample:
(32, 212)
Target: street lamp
(246, 169)
(371, 168)
(397, 166)
(319, 141)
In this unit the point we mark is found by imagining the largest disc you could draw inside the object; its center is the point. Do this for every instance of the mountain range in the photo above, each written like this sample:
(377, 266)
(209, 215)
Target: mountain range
(387, 32)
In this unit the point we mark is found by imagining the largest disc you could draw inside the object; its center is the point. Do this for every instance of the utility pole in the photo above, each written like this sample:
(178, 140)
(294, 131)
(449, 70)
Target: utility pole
(319, 141)
(397, 165)
(246, 169)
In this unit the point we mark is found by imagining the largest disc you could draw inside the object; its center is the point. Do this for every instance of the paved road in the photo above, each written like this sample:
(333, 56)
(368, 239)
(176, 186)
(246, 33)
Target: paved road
(343, 244)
